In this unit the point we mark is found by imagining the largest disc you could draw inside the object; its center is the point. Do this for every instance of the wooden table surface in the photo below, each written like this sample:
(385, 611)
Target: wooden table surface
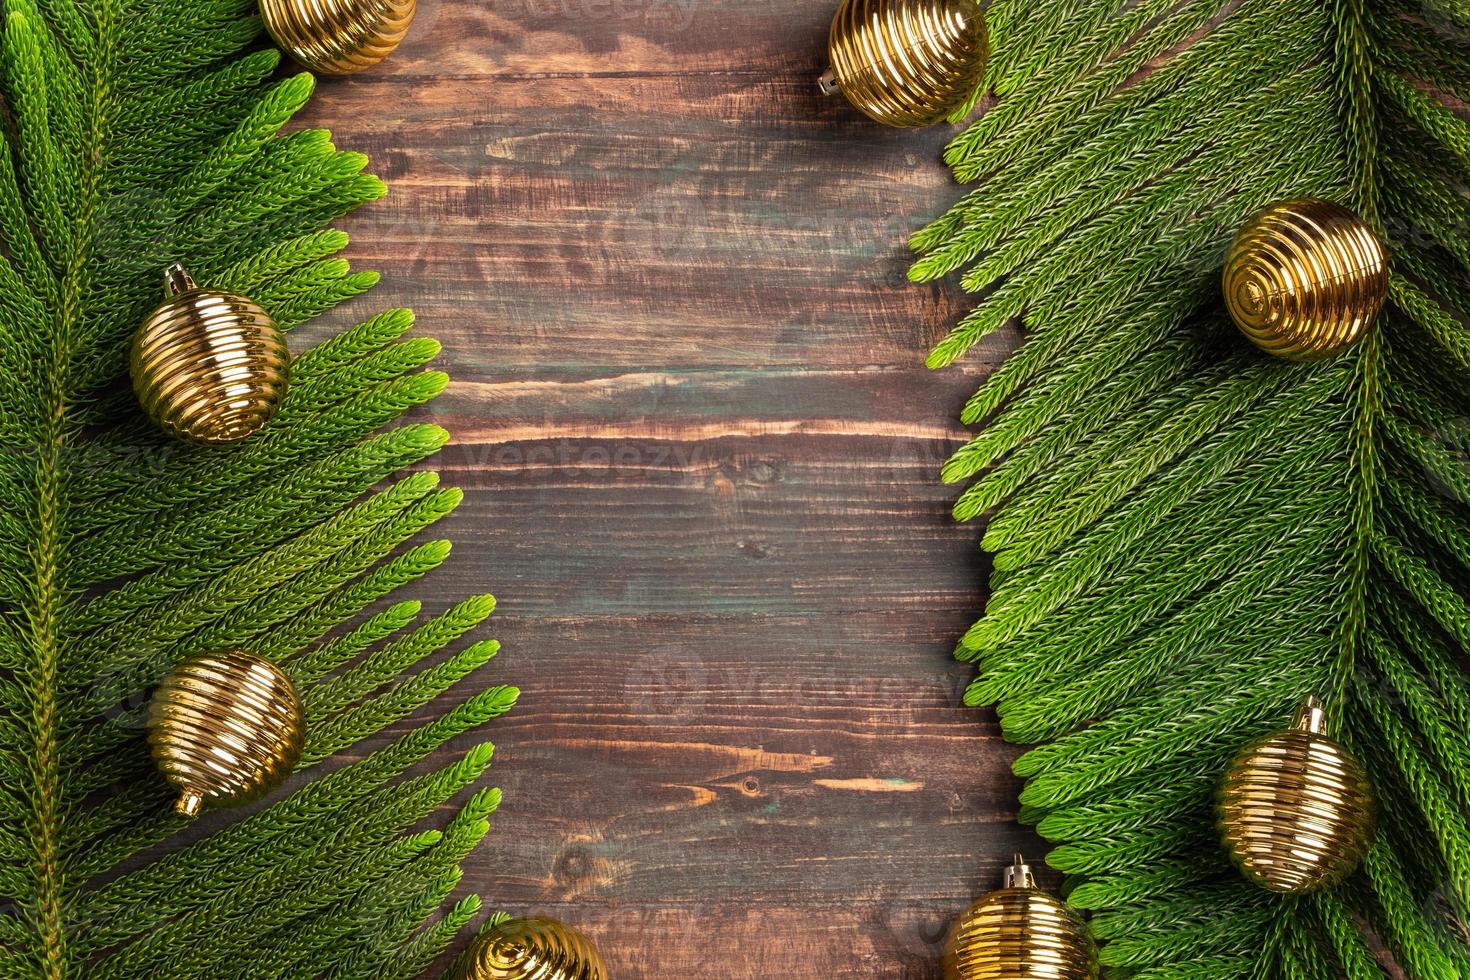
(701, 452)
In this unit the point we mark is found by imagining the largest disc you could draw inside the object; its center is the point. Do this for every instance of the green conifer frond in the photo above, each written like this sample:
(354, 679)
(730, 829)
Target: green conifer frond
(137, 134)
(1190, 537)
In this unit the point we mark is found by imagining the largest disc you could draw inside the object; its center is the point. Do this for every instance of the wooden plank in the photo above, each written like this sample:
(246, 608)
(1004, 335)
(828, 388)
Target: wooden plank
(700, 452)
(646, 234)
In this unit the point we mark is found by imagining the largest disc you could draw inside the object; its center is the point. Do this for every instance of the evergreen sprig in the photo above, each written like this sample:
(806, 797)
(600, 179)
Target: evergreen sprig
(139, 132)
(1189, 537)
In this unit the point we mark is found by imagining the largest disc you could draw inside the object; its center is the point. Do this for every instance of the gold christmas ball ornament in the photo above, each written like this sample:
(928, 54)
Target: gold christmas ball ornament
(1305, 279)
(1295, 811)
(209, 366)
(225, 728)
(337, 37)
(531, 949)
(906, 62)
(1019, 932)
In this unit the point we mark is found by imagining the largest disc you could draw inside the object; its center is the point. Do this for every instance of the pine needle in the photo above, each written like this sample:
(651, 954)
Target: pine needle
(137, 135)
(1189, 537)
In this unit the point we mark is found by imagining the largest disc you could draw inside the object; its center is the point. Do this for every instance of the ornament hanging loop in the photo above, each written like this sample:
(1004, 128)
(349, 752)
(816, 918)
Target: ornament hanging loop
(189, 804)
(177, 281)
(827, 83)
(1018, 874)
(1312, 716)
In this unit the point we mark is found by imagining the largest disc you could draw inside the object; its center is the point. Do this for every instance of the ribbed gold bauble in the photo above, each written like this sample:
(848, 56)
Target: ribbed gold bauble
(906, 62)
(337, 37)
(1295, 810)
(1305, 279)
(531, 949)
(225, 728)
(209, 366)
(1019, 932)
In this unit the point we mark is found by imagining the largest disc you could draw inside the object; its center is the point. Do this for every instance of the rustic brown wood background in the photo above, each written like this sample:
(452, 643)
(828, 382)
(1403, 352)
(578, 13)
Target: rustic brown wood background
(700, 451)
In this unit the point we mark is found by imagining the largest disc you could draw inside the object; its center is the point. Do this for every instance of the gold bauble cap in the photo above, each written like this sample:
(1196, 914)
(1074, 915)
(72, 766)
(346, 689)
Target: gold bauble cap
(1305, 279)
(531, 949)
(337, 37)
(225, 728)
(1019, 932)
(1295, 811)
(209, 366)
(906, 62)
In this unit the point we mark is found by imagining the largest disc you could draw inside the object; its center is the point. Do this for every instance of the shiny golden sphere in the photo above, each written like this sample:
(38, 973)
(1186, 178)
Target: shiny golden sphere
(1296, 812)
(1019, 932)
(337, 37)
(906, 62)
(531, 949)
(225, 728)
(208, 366)
(1305, 279)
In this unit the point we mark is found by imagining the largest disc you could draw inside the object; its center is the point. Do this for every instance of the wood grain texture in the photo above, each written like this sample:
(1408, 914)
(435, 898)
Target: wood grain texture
(701, 453)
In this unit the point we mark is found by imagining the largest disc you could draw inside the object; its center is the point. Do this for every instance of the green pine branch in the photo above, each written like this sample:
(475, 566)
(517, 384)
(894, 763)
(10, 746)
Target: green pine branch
(1189, 537)
(135, 135)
